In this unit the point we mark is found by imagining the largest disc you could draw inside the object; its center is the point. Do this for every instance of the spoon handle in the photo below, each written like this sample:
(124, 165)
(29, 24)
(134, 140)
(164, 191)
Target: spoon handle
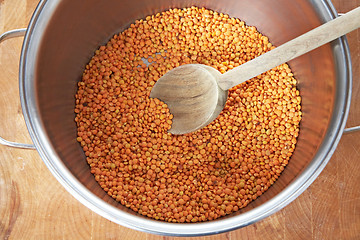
(292, 49)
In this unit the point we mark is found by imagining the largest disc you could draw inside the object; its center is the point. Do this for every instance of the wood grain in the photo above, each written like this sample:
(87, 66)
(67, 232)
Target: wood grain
(33, 205)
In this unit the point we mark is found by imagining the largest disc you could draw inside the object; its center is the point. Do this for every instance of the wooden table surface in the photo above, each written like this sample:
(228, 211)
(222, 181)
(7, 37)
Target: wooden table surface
(33, 205)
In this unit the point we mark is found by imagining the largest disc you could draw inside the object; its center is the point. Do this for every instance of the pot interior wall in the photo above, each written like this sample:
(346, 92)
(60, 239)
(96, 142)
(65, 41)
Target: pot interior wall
(77, 29)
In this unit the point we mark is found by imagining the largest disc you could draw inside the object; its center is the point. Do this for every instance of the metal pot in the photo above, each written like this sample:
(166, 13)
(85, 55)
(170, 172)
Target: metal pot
(63, 35)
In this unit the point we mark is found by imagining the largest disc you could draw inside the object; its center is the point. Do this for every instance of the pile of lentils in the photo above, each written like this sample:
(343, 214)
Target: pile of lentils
(198, 176)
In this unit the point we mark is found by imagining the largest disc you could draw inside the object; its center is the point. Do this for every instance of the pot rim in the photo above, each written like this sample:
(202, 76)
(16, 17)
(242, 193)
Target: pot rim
(29, 104)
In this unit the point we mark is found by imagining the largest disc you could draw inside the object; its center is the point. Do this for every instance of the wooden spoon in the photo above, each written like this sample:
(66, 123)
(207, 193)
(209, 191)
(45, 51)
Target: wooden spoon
(196, 93)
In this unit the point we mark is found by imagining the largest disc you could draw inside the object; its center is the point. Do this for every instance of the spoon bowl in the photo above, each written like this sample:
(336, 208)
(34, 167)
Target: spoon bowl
(193, 95)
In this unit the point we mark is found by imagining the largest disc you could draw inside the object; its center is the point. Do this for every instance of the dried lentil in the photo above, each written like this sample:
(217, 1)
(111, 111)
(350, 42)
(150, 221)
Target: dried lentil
(198, 176)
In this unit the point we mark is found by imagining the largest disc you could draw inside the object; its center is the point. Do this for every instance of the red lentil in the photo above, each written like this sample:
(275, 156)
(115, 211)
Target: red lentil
(198, 176)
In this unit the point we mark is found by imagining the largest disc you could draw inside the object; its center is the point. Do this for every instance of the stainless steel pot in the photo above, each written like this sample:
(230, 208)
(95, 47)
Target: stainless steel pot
(63, 35)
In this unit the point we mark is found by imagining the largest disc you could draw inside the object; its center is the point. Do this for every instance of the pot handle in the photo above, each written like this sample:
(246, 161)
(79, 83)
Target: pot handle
(350, 129)
(7, 35)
